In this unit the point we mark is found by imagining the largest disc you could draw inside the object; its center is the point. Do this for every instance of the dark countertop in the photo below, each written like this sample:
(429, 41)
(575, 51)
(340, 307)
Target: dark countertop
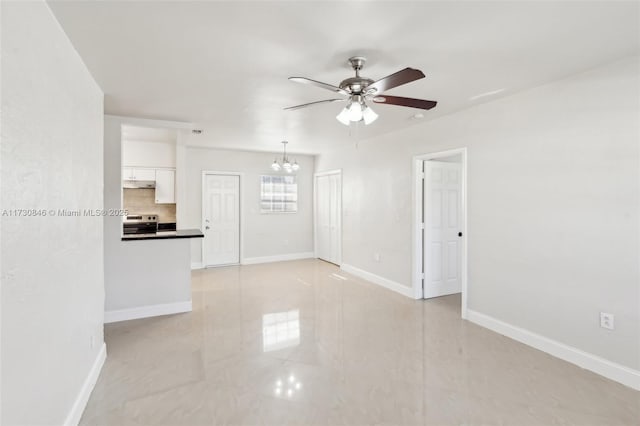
(166, 235)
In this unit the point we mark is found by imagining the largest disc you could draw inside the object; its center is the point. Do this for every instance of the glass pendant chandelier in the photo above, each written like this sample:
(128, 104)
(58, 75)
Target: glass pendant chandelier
(284, 163)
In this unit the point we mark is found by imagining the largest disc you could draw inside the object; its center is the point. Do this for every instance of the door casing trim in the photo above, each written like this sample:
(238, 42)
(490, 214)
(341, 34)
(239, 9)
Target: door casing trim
(416, 225)
(241, 213)
(315, 214)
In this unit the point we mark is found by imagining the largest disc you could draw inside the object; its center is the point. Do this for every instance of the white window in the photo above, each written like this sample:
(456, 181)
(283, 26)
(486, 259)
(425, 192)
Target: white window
(278, 194)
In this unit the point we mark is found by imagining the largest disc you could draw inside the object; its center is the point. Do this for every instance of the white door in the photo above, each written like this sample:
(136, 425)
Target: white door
(443, 228)
(221, 219)
(328, 204)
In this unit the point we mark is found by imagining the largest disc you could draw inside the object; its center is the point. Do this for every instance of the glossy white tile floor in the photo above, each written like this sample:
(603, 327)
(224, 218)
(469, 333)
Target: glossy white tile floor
(303, 343)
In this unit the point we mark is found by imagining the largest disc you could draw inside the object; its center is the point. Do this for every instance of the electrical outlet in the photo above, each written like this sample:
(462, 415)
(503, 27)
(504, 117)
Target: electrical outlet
(93, 342)
(376, 257)
(607, 321)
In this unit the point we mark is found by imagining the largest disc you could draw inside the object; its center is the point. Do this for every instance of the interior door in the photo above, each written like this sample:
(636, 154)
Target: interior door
(221, 220)
(328, 204)
(443, 229)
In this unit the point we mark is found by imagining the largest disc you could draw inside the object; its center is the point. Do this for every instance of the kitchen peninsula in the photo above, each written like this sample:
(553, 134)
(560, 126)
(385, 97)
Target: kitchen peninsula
(148, 273)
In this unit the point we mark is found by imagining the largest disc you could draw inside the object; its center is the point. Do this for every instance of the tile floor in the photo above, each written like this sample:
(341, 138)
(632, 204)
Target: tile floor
(304, 343)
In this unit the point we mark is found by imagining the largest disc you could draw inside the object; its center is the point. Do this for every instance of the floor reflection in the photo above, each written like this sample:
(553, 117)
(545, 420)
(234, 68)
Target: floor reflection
(280, 330)
(291, 384)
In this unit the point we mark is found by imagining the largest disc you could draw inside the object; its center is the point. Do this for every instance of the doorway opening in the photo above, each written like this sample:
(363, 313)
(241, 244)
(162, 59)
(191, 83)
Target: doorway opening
(221, 218)
(327, 217)
(440, 225)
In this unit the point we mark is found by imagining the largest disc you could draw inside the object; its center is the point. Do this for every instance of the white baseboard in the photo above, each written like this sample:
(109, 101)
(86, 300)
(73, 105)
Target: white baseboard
(147, 311)
(376, 279)
(277, 258)
(73, 418)
(196, 265)
(619, 373)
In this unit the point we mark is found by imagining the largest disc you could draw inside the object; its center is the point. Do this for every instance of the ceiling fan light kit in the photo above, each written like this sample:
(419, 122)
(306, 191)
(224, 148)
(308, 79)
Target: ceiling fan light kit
(356, 110)
(361, 89)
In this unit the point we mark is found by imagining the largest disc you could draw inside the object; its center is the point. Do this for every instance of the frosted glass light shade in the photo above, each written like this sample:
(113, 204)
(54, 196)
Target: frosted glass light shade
(369, 115)
(275, 166)
(343, 117)
(355, 112)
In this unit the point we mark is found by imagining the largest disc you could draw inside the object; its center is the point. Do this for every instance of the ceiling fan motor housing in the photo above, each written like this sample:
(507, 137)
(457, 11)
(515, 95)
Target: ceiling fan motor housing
(356, 85)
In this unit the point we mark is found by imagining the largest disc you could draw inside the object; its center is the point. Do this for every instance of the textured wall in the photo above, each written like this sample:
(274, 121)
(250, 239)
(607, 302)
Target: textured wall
(52, 266)
(553, 188)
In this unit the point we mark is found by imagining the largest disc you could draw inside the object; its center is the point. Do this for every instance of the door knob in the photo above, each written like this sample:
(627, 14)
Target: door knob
(206, 227)
(459, 234)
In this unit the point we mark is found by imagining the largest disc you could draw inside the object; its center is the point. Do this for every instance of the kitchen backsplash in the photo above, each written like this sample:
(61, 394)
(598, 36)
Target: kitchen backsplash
(143, 200)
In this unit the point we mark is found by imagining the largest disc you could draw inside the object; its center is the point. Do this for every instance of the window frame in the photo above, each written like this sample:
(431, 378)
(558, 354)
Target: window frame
(268, 197)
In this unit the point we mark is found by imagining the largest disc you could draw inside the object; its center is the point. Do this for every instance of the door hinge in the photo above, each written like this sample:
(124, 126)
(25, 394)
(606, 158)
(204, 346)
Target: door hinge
(421, 175)
(422, 276)
(422, 225)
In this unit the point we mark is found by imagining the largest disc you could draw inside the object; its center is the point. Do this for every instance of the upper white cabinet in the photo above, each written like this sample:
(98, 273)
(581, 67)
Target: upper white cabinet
(149, 155)
(137, 153)
(165, 186)
(145, 174)
(131, 173)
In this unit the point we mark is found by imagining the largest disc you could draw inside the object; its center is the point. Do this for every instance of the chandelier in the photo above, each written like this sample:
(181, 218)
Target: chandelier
(285, 164)
(357, 110)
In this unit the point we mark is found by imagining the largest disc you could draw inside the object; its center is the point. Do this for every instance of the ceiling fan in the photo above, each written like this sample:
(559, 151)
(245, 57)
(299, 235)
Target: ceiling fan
(358, 90)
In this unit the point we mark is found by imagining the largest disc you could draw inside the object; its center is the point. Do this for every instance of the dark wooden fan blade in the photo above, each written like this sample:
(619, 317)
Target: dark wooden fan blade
(404, 76)
(313, 103)
(408, 102)
(319, 84)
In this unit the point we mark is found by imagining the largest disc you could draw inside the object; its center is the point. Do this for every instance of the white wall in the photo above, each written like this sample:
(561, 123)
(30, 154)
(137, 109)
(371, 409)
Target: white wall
(52, 276)
(263, 234)
(553, 205)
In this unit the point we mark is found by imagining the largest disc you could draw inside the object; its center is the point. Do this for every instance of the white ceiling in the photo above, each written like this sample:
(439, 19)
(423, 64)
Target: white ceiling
(224, 65)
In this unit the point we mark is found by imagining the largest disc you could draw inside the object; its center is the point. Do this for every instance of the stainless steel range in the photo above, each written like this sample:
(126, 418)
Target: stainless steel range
(140, 224)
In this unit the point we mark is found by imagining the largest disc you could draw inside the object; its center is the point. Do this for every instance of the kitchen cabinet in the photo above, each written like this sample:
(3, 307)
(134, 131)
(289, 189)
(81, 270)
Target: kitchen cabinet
(165, 186)
(131, 173)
